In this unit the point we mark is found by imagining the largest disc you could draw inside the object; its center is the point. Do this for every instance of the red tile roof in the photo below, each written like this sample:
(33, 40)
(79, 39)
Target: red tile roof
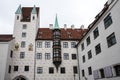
(68, 34)
(26, 13)
(5, 38)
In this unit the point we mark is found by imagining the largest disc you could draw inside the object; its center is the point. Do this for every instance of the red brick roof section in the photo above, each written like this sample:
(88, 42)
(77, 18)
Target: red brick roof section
(26, 13)
(68, 34)
(5, 38)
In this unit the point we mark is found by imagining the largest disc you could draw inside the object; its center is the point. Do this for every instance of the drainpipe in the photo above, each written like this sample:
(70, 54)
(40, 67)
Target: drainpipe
(35, 61)
(78, 63)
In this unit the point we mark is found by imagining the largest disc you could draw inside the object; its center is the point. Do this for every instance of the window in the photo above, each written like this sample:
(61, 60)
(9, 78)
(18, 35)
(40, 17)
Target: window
(39, 44)
(65, 44)
(83, 58)
(96, 33)
(9, 69)
(47, 56)
(15, 68)
(117, 70)
(22, 55)
(73, 44)
(111, 40)
(51, 70)
(11, 53)
(75, 69)
(66, 56)
(74, 56)
(47, 44)
(88, 40)
(89, 70)
(89, 54)
(102, 73)
(26, 68)
(17, 17)
(23, 34)
(24, 26)
(83, 73)
(33, 17)
(82, 46)
(98, 49)
(39, 55)
(22, 44)
(39, 70)
(62, 69)
(107, 21)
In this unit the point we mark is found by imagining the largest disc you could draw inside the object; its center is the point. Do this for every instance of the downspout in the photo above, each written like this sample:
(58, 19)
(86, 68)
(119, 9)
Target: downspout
(78, 63)
(35, 61)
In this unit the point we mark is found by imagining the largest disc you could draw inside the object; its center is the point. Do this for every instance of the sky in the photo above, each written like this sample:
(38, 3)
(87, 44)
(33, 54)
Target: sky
(70, 12)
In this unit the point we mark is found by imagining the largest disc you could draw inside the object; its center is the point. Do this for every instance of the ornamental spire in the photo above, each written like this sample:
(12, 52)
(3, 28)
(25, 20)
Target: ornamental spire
(56, 25)
(34, 10)
(19, 10)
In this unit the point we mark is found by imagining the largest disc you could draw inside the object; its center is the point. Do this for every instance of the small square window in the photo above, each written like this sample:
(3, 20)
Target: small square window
(39, 55)
(51, 70)
(66, 56)
(26, 68)
(23, 44)
(24, 26)
(111, 40)
(74, 56)
(73, 44)
(23, 34)
(47, 44)
(65, 44)
(39, 70)
(22, 55)
(47, 56)
(15, 68)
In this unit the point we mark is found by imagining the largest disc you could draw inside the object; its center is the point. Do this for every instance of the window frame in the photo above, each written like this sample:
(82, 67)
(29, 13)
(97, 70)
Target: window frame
(96, 33)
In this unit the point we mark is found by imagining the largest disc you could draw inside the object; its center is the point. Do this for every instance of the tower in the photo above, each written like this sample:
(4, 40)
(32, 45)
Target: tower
(25, 29)
(56, 45)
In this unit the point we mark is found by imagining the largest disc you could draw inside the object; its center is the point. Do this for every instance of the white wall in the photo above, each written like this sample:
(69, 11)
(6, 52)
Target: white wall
(3, 58)
(108, 56)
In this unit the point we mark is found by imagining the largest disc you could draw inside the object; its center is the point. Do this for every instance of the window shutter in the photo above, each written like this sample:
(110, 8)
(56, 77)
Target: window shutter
(108, 72)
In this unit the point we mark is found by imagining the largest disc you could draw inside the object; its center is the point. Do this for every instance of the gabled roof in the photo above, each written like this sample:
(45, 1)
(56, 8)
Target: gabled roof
(26, 13)
(34, 10)
(66, 34)
(5, 38)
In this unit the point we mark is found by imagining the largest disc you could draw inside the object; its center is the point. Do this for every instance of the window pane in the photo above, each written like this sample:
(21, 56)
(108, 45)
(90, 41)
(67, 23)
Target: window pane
(107, 21)
(62, 69)
(39, 55)
(24, 26)
(89, 54)
(65, 44)
(47, 56)
(15, 68)
(47, 44)
(39, 70)
(82, 46)
(22, 54)
(73, 44)
(88, 41)
(26, 68)
(98, 49)
(75, 69)
(51, 70)
(96, 33)
(111, 40)
(23, 44)
(74, 56)
(39, 44)
(66, 56)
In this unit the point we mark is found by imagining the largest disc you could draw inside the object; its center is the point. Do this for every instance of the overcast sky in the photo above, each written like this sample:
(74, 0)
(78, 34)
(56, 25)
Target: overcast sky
(77, 12)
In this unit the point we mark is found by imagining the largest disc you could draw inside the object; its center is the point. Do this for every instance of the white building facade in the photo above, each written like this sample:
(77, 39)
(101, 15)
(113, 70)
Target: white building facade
(98, 50)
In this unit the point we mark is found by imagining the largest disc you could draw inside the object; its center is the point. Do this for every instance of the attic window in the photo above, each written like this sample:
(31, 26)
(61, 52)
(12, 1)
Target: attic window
(68, 32)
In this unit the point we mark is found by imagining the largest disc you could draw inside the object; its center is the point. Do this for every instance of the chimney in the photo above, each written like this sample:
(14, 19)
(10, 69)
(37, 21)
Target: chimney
(72, 26)
(50, 26)
(65, 26)
(82, 27)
